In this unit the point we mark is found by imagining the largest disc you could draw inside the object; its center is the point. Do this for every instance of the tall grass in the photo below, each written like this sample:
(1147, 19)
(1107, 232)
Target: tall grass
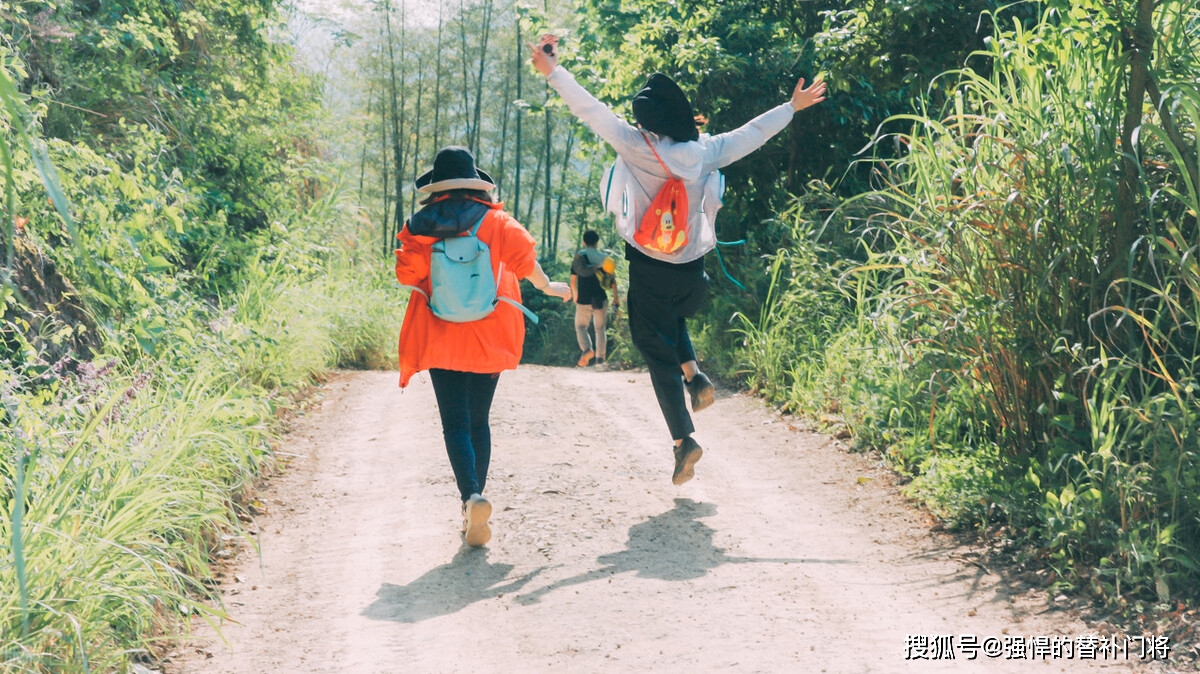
(128, 477)
(122, 473)
(316, 297)
(1069, 380)
(801, 312)
(997, 350)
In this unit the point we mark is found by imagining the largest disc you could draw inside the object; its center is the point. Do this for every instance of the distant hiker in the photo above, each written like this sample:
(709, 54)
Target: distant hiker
(664, 164)
(465, 359)
(592, 272)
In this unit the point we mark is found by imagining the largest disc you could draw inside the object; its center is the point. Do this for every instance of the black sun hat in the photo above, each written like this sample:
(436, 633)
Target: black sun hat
(454, 169)
(662, 107)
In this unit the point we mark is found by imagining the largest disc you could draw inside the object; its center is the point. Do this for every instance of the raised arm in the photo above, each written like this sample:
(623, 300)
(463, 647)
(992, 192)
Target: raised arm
(726, 148)
(615, 131)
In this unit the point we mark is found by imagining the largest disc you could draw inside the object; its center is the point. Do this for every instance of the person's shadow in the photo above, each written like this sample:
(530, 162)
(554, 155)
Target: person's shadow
(446, 589)
(670, 546)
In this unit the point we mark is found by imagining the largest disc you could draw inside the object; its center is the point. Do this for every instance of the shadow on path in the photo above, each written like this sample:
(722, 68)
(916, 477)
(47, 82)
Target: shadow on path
(671, 546)
(446, 589)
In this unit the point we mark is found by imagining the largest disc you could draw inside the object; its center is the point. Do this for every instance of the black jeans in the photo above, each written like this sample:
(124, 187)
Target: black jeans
(465, 402)
(661, 297)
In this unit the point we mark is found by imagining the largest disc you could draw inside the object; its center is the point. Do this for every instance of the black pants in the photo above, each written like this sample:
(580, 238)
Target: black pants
(661, 297)
(465, 402)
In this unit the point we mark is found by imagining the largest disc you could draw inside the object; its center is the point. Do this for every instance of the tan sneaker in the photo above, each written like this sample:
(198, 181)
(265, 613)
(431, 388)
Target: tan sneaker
(701, 390)
(686, 456)
(475, 525)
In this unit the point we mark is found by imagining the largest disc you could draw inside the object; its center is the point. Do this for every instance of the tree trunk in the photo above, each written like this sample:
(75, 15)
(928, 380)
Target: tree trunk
(520, 115)
(362, 164)
(387, 186)
(562, 186)
(501, 165)
(549, 165)
(397, 112)
(416, 153)
(533, 196)
(595, 170)
(1140, 44)
(466, 77)
(487, 29)
(437, 84)
(404, 156)
(1168, 123)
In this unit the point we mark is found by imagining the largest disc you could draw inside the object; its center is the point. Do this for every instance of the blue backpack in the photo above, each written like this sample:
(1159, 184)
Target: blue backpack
(462, 288)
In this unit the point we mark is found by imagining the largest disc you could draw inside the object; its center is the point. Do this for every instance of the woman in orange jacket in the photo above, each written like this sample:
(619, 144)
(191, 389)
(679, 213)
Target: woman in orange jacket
(464, 360)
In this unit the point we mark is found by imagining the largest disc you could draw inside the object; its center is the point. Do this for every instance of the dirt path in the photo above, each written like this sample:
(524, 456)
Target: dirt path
(785, 554)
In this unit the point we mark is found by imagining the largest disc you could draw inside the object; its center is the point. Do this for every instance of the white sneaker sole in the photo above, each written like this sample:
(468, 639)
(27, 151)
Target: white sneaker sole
(478, 532)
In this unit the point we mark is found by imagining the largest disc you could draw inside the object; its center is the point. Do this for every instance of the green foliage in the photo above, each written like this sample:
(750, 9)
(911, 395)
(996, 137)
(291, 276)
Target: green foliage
(823, 344)
(965, 489)
(125, 477)
(1005, 365)
(801, 312)
(552, 340)
(307, 302)
(1003, 230)
(203, 75)
(192, 269)
(134, 467)
(884, 58)
(737, 59)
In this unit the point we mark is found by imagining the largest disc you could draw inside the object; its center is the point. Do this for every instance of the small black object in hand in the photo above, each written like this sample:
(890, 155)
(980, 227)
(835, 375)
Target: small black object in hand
(548, 48)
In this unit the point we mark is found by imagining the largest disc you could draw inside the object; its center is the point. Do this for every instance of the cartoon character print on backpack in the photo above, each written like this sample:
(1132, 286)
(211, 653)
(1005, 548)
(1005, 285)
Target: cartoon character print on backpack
(619, 192)
(664, 226)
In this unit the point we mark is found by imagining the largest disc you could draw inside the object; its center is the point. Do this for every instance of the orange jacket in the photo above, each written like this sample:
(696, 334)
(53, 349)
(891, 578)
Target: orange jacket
(488, 345)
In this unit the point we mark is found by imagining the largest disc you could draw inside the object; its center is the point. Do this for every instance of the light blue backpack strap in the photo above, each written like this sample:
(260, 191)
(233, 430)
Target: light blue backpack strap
(524, 309)
(397, 284)
(608, 186)
(532, 316)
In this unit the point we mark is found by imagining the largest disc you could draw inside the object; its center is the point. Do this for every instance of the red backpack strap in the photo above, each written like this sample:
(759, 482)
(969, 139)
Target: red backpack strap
(660, 161)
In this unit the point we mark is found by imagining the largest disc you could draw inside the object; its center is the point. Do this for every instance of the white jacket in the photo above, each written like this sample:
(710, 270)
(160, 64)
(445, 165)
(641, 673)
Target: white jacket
(630, 184)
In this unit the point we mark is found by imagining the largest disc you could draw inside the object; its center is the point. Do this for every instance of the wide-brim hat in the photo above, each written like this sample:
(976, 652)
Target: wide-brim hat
(454, 169)
(662, 107)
